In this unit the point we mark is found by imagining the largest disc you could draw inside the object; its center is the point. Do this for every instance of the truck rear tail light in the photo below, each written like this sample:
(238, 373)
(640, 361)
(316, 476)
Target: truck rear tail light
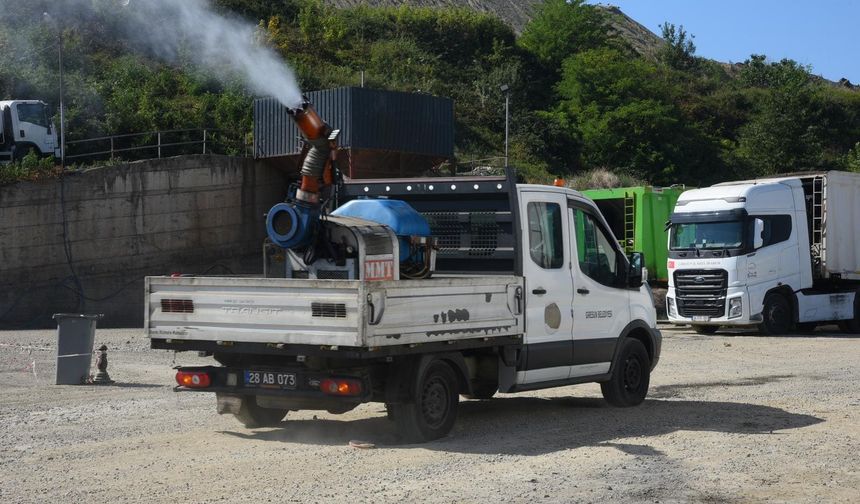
(177, 306)
(193, 379)
(341, 386)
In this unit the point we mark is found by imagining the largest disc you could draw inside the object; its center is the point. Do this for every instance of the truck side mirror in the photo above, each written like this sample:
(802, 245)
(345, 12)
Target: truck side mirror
(758, 229)
(635, 274)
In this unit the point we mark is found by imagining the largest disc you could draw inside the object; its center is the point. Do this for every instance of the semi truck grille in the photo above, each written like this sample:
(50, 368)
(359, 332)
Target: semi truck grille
(701, 292)
(328, 310)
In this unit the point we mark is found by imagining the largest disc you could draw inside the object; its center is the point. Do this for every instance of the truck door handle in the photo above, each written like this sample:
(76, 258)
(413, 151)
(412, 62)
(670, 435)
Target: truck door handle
(582, 291)
(540, 291)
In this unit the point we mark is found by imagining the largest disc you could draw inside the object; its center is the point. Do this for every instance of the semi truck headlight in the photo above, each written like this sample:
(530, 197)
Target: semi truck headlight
(670, 307)
(736, 307)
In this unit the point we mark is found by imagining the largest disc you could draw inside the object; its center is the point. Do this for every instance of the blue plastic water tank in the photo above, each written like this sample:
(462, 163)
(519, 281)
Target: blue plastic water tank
(396, 214)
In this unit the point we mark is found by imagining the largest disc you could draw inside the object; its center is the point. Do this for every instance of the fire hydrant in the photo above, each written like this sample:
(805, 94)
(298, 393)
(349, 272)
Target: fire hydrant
(102, 377)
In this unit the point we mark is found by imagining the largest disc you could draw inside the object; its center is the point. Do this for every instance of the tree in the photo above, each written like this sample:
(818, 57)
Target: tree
(786, 132)
(678, 50)
(562, 28)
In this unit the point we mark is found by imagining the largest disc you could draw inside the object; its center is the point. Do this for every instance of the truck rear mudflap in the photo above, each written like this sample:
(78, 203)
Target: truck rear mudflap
(305, 389)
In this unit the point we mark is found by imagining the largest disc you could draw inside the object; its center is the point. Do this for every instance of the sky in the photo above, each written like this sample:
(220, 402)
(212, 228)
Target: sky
(820, 33)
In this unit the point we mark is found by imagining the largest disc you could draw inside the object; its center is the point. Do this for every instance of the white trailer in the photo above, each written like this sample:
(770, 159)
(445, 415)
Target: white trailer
(531, 290)
(25, 126)
(780, 253)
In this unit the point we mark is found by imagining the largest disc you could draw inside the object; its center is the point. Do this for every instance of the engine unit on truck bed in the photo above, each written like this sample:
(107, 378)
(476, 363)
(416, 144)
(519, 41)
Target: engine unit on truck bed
(348, 249)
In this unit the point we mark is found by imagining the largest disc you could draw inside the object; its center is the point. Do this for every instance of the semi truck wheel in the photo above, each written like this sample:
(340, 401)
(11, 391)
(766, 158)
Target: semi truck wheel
(631, 375)
(776, 315)
(432, 411)
(252, 415)
(852, 326)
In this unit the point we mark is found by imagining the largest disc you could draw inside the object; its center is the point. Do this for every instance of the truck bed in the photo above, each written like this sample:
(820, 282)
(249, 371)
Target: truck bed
(332, 313)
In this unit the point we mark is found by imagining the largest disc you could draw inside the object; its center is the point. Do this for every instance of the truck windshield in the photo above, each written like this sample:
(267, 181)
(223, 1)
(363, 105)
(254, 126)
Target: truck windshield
(34, 113)
(707, 235)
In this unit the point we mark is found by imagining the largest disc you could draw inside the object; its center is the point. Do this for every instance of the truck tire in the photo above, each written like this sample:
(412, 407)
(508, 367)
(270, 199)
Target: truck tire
(432, 411)
(852, 326)
(705, 329)
(776, 315)
(631, 375)
(19, 153)
(252, 415)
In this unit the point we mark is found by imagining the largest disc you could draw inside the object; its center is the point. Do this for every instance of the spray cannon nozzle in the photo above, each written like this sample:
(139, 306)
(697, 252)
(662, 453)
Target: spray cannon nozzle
(312, 126)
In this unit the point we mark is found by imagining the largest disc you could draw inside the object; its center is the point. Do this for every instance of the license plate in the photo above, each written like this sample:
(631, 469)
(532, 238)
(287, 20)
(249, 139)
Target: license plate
(701, 318)
(270, 379)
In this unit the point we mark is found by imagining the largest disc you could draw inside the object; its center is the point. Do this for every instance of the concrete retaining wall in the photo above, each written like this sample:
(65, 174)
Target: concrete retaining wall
(84, 243)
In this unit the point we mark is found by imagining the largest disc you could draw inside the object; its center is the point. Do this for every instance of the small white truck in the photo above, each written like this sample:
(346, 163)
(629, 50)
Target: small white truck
(25, 126)
(779, 253)
(530, 290)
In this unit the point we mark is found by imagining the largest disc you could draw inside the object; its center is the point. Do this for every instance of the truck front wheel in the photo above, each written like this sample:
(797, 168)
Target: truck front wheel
(432, 411)
(776, 315)
(631, 375)
(253, 415)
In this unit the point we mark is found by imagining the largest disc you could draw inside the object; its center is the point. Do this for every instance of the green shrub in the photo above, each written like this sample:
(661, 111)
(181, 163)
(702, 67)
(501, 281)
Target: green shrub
(30, 167)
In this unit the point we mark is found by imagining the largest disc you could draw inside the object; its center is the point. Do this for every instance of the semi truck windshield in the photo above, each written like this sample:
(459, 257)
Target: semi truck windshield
(707, 235)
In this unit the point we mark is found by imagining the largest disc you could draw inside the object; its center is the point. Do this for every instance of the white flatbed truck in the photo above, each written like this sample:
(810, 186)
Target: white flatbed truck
(531, 290)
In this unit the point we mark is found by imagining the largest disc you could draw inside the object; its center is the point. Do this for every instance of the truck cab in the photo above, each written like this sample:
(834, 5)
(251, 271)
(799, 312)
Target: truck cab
(754, 253)
(582, 292)
(26, 126)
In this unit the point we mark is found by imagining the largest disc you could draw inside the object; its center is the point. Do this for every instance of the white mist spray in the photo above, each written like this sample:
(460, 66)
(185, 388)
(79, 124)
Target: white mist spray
(213, 41)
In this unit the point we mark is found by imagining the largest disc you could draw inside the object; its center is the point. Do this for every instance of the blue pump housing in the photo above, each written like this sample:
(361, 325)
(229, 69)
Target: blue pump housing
(404, 220)
(291, 225)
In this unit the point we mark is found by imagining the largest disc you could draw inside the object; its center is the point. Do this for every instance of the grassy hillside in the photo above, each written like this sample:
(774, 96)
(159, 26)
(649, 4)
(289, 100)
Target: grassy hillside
(588, 89)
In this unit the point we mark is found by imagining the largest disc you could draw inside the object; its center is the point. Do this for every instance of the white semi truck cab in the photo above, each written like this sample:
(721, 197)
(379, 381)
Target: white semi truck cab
(26, 126)
(780, 253)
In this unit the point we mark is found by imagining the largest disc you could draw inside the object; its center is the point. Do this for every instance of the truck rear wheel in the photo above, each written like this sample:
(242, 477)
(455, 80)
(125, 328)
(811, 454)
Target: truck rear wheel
(852, 326)
(432, 411)
(776, 315)
(253, 415)
(631, 375)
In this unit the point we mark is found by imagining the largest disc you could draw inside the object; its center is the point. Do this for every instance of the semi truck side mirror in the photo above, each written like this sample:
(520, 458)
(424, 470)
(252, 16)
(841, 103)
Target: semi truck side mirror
(758, 229)
(635, 274)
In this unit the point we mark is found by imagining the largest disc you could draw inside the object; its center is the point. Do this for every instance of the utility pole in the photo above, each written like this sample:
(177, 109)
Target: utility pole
(507, 90)
(62, 104)
(48, 18)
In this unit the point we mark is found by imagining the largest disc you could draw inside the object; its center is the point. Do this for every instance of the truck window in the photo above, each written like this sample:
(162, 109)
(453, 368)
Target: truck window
(34, 113)
(596, 256)
(707, 235)
(777, 228)
(546, 243)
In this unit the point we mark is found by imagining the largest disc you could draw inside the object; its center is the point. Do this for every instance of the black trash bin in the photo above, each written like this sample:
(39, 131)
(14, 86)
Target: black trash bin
(75, 336)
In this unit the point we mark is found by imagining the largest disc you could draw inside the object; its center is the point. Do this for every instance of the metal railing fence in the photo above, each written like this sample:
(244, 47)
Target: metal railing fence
(158, 144)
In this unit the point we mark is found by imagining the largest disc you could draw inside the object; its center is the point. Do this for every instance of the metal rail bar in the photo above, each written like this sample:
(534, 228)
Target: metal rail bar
(210, 136)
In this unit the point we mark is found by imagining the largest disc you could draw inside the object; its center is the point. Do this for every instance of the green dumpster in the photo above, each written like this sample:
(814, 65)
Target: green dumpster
(637, 216)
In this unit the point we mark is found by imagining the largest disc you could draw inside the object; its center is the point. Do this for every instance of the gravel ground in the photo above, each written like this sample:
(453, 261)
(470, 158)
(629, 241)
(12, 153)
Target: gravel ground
(730, 417)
